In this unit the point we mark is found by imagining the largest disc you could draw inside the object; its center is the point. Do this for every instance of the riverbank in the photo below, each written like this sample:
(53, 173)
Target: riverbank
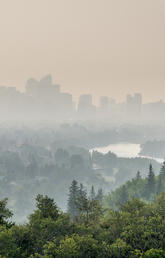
(125, 150)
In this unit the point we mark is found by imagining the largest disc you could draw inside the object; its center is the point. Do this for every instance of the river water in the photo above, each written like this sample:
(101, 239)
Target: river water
(125, 150)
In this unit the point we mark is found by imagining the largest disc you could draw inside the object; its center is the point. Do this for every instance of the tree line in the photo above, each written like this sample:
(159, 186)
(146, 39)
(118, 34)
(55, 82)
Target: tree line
(146, 189)
(86, 230)
(79, 203)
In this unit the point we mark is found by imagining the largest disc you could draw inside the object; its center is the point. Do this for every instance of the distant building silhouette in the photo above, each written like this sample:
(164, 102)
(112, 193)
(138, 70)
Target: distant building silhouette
(104, 103)
(43, 100)
(134, 106)
(85, 107)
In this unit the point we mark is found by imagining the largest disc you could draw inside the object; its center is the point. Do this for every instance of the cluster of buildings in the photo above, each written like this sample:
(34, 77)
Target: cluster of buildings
(43, 100)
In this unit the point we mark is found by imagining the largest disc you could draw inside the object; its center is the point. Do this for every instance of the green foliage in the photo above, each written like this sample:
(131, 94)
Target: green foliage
(8, 248)
(5, 213)
(145, 189)
(135, 230)
(154, 253)
(92, 193)
(46, 207)
(99, 196)
(47, 222)
(90, 211)
(119, 249)
(74, 193)
(74, 246)
(84, 209)
(66, 248)
(150, 186)
(22, 238)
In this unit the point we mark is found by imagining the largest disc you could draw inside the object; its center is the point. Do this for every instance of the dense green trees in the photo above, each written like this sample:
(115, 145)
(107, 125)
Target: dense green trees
(83, 208)
(123, 196)
(146, 189)
(5, 213)
(129, 222)
(136, 230)
(160, 187)
(122, 169)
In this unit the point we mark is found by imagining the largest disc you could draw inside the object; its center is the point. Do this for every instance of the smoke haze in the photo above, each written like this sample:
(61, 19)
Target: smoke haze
(101, 47)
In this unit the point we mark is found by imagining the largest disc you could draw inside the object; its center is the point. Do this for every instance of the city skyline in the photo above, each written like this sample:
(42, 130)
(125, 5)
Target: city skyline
(103, 47)
(44, 100)
(76, 100)
(59, 87)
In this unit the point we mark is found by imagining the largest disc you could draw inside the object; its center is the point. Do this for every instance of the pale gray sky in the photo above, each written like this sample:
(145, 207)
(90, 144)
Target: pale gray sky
(103, 47)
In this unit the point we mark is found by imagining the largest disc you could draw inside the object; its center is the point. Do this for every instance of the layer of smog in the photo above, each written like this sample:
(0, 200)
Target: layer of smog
(82, 129)
(48, 140)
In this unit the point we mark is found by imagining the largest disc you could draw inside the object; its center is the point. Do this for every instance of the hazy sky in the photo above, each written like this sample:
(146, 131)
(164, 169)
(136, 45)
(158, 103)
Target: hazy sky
(103, 47)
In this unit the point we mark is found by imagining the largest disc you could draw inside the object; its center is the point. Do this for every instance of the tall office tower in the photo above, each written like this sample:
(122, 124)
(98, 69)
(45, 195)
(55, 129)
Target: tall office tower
(42, 90)
(129, 99)
(45, 96)
(12, 103)
(85, 100)
(103, 110)
(104, 103)
(134, 106)
(154, 111)
(138, 100)
(85, 108)
(31, 87)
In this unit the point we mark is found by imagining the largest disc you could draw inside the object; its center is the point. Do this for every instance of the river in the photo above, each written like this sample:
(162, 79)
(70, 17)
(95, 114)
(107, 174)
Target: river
(125, 150)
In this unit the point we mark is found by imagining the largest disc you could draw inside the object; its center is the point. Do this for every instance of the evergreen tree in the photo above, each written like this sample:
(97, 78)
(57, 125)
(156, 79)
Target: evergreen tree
(150, 186)
(123, 196)
(92, 193)
(99, 195)
(160, 187)
(82, 192)
(46, 208)
(89, 210)
(74, 193)
(5, 213)
(161, 180)
(138, 175)
(162, 171)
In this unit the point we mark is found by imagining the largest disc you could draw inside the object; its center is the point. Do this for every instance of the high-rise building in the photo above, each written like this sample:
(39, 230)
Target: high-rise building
(104, 103)
(134, 106)
(85, 100)
(85, 107)
(43, 89)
